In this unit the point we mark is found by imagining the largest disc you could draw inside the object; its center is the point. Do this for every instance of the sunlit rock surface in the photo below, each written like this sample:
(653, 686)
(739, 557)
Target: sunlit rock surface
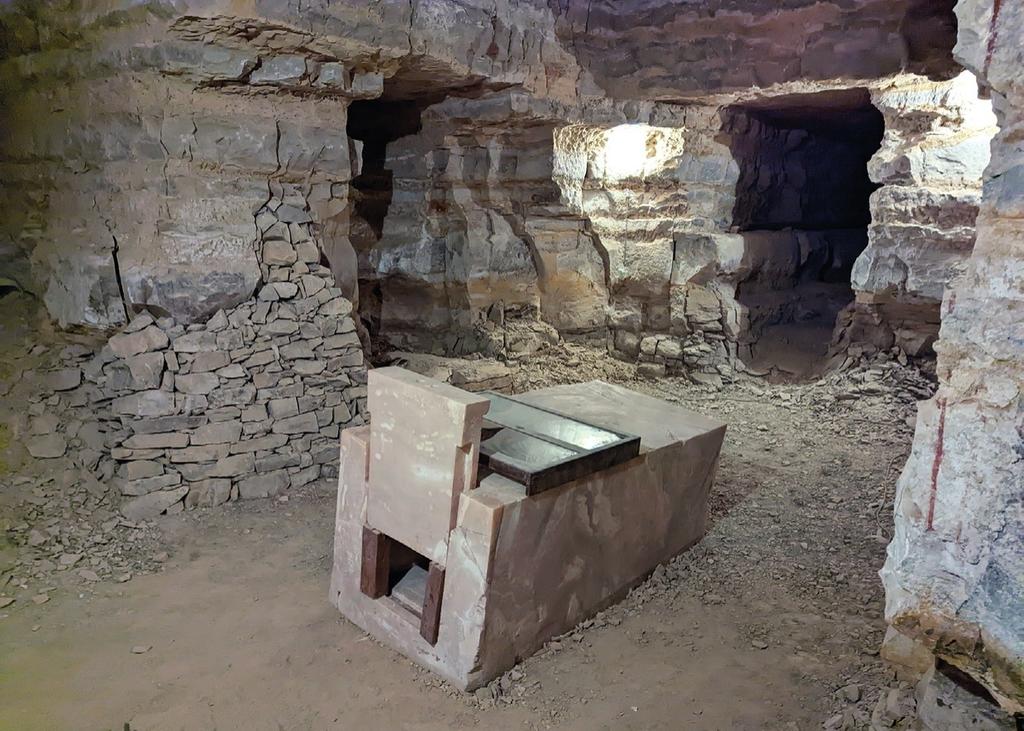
(954, 576)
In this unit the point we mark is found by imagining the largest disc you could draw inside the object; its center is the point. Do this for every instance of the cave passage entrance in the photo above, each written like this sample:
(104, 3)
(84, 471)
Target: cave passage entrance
(375, 123)
(802, 207)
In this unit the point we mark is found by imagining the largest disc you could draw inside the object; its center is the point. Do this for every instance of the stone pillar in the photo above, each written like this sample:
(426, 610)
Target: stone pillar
(954, 576)
(936, 145)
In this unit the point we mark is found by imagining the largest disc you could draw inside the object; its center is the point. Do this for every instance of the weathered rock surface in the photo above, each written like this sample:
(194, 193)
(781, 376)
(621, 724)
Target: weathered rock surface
(935, 149)
(954, 576)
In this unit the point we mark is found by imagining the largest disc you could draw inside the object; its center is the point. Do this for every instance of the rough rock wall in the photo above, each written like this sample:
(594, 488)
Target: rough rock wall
(954, 576)
(936, 146)
(682, 50)
(147, 133)
(655, 196)
(477, 252)
(188, 164)
(157, 172)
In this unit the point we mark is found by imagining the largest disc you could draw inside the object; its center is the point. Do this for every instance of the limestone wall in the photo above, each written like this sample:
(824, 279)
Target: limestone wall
(954, 576)
(681, 50)
(936, 145)
(147, 133)
(157, 135)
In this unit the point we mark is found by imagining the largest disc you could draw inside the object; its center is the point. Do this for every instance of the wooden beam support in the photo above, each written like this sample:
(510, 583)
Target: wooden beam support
(430, 620)
(376, 564)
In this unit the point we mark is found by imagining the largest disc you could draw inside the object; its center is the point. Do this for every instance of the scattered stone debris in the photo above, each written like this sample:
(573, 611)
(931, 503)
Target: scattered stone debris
(59, 518)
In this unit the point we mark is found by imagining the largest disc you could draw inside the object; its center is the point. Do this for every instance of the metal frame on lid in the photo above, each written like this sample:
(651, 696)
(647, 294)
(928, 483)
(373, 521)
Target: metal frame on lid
(584, 461)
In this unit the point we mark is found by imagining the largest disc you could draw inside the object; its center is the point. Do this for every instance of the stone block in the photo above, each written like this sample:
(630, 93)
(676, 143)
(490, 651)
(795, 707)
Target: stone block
(124, 455)
(128, 344)
(309, 367)
(218, 322)
(337, 307)
(282, 408)
(223, 432)
(255, 414)
(284, 290)
(146, 485)
(169, 440)
(239, 396)
(277, 462)
(262, 358)
(264, 485)
(234, 466)
(332, 76)
(293, 214)
(342, 414)
(229, 340)
(210, 360)
(342, 341)
(414, 491)
(196, 342)
(282, 327)
(140, 468)
(305, 476)
(260, 444)
(206, 453)
(311, 284)
(206, 62)
(279, 253)
(166, 424)
(232, 371)
(144, 404)
(147, 370)
(344, 362)
(367, 84)
(301, 424)
(294, 351)
(150, 506)
(208, 493)
(284, 70)
(196, 384)
(309, 253)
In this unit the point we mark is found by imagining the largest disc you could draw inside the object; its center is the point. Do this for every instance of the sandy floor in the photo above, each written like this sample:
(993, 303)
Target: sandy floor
(756, 628)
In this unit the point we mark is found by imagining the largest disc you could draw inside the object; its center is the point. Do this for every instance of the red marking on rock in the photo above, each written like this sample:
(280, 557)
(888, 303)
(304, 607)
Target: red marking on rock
(950, 304)
(991, 47)
(936, 464)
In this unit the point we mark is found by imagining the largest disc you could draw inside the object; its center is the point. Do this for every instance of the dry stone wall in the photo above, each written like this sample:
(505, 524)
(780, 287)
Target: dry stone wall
(247, 404)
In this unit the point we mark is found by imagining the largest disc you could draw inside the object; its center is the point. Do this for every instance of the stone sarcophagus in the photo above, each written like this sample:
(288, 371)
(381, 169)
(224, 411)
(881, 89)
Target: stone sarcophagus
(471, 528)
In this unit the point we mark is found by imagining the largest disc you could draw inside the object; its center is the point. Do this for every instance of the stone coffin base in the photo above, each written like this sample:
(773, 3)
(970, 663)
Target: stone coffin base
(520, 569)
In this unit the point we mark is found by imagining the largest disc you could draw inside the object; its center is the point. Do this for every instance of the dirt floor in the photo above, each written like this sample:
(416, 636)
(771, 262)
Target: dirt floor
(773, 621)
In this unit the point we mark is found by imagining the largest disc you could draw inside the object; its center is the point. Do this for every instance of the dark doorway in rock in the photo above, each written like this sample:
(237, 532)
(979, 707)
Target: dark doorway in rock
(372, 125)
(375, 123)
(802, 207)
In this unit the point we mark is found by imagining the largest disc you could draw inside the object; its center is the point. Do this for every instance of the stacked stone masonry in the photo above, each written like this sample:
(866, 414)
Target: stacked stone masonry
(247, 404)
